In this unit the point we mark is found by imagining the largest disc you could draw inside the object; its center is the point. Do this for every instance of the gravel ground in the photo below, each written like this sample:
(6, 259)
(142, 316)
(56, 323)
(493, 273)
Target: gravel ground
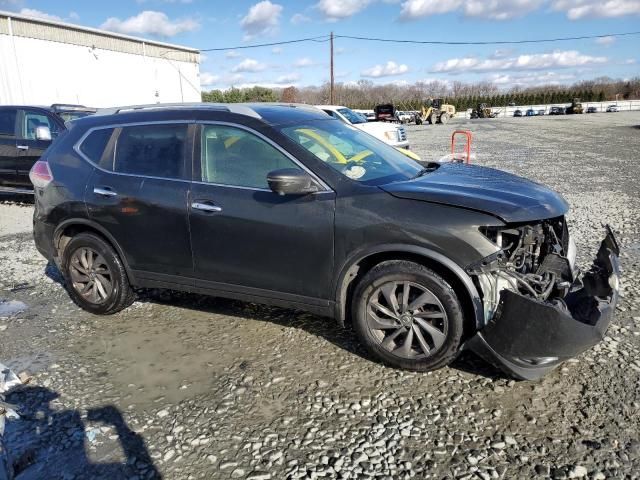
(182, 386)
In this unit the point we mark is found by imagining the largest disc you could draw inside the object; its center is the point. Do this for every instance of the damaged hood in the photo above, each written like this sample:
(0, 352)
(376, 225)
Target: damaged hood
(506, 196)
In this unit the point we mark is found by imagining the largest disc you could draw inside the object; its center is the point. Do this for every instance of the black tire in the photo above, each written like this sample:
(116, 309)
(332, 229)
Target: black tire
(374, 340)
(110, 270)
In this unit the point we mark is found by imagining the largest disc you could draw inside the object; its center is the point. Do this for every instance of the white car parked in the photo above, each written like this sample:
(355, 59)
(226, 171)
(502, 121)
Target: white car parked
(613, 108)
(394, 135)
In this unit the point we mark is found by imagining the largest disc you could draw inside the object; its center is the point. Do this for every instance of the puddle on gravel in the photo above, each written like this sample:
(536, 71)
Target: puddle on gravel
(151, 359)
(11, 307)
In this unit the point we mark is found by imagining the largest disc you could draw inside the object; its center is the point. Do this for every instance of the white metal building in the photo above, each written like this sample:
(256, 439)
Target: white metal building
(44, 62)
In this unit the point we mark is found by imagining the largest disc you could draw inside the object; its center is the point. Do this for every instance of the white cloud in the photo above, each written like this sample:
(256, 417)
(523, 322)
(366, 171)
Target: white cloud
(303, 62)
(491, 9)
(606, 41)
(207, 79)
(74, 16)
(391, 68)
(249, 65)
(276, 50)
(577, 9)
(531, 79)
(32, 12)
(150, 22)
(263, 18)
(231, 54)
(288, 79)
(337, 9)
(299, 18)
(536, 61)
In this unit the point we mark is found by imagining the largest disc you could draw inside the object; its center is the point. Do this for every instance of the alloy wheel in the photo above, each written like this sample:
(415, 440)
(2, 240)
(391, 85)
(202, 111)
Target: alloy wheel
(90, 275)
(407, 319)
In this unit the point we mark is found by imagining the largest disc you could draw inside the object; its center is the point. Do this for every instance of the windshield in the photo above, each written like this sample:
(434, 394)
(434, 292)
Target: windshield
(352, 116)
(353, 153)
(66, 116)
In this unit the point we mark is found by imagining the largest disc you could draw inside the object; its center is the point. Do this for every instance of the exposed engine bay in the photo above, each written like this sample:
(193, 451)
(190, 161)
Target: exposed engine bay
(539, 310)
(535, 260)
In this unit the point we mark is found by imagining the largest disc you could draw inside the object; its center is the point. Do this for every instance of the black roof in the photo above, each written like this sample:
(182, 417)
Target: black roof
(248, 113)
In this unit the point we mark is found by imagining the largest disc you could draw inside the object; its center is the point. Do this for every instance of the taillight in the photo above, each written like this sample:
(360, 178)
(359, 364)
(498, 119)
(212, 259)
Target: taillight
(40, 174)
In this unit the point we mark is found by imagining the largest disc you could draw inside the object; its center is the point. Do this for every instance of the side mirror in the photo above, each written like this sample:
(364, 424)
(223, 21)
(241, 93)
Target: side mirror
(43, 133)
(291, 181)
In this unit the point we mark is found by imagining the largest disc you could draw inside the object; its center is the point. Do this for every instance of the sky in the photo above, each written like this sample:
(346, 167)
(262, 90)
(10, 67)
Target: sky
(206, 24)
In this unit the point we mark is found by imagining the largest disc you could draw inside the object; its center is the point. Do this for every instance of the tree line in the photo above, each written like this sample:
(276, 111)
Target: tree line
(365, 94)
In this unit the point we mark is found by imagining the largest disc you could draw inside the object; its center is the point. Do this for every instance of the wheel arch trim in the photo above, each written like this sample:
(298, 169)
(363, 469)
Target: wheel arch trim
(351, 266)
(101, 230)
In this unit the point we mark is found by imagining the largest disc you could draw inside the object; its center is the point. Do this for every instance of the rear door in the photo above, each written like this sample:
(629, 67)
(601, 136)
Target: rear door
(139, 194)
(8, 150)
(31, 149)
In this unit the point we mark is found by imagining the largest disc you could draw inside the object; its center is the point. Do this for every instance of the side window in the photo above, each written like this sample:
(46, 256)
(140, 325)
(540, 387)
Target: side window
(331, 113)
(152, 150)
(31, 119)
(94, 146)
(232, 156)
(8, 122)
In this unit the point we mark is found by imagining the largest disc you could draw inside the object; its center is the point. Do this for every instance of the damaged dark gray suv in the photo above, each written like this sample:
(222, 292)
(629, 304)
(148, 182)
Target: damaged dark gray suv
(280, 204)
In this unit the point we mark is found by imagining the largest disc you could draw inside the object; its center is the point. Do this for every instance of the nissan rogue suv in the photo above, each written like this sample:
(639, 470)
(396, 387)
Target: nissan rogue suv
(283, 205)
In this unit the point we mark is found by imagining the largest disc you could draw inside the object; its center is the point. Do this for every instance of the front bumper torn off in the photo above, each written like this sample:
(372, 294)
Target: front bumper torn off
(527, 338)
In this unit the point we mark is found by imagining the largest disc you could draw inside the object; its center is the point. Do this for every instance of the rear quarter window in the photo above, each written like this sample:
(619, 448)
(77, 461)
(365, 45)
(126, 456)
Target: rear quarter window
(95, 145)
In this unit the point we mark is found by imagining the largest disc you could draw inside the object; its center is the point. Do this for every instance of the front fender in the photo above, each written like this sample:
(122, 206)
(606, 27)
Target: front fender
(350, 269)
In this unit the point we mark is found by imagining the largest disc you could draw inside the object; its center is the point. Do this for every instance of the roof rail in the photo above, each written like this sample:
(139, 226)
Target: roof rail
(69, 106)
(240, 109)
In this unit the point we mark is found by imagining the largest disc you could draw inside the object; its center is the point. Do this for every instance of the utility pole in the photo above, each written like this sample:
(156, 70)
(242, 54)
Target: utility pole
(331, 102)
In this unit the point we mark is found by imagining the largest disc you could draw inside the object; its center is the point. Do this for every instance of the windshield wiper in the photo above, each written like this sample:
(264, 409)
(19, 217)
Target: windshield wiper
(431, 167)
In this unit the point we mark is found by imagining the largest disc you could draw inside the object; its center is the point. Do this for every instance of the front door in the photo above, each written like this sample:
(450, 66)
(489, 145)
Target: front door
(139, 194)
(248, 239)
(8, 150)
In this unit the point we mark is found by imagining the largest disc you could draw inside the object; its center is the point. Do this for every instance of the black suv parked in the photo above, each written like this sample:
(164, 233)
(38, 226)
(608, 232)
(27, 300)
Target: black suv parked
(281, 204)
(22, 143)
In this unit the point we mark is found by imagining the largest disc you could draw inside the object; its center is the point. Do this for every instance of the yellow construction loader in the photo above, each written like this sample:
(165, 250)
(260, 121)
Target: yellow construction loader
(437, 112)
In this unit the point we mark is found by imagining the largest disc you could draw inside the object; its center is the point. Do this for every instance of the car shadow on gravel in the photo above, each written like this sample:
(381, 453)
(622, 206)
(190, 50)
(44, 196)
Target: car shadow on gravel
(47, 442)
(16, 199)
(323, 327)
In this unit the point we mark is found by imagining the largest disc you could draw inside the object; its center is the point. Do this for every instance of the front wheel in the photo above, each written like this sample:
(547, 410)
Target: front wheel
(408, 316)
(96, 278)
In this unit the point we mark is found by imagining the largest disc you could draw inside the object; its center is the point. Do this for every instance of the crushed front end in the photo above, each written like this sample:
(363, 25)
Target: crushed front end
(539, 309)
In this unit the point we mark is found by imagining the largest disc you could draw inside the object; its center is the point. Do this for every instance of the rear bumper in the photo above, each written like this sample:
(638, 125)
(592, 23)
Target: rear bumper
(43, 238)
(527, 338)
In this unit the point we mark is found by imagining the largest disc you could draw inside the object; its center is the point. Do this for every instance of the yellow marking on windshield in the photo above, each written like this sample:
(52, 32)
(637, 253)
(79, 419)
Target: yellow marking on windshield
(230, 141)
(361, 156)
(323, 142)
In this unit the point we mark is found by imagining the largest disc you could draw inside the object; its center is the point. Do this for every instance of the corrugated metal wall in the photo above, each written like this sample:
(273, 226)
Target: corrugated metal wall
(68, 34)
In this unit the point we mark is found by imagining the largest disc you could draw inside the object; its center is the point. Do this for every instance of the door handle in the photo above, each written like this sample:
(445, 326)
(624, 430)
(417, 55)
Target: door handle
(205, 207)
(22, 147)
(105, 192)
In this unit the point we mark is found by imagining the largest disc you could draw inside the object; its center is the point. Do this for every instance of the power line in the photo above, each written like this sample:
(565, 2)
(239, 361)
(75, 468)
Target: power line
(492, 42)
(323, 38)
(326, 38)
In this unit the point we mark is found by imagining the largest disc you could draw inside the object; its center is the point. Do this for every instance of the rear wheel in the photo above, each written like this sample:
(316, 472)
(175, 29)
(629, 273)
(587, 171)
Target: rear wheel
(96, 278)
(444, 118)
(408, 316)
